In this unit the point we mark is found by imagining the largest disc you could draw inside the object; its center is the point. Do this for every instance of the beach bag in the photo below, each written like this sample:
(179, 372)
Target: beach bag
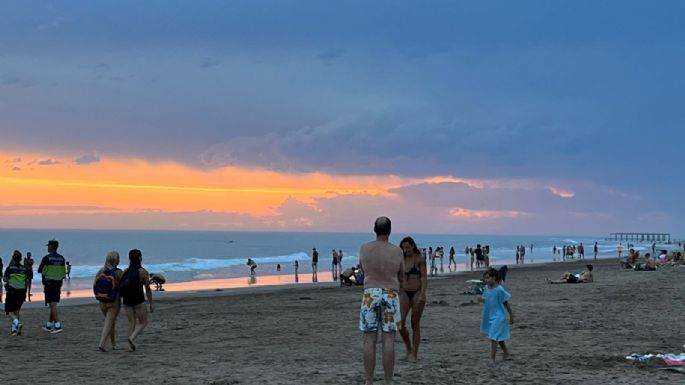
(106, 287)
(130, 283)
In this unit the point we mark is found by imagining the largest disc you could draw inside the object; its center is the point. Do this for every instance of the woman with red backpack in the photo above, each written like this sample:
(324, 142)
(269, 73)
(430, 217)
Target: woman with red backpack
(106, 288)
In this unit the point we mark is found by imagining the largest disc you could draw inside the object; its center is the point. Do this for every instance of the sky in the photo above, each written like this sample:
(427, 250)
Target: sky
(527, 117)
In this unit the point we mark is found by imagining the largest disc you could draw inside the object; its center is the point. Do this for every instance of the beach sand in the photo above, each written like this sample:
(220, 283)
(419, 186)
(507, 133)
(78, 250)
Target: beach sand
(309, 335)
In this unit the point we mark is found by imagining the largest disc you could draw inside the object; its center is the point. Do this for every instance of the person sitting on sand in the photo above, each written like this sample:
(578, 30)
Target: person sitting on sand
(649, 265)
(158, 280)
(584, 277)
(631, 259)
(346, 276)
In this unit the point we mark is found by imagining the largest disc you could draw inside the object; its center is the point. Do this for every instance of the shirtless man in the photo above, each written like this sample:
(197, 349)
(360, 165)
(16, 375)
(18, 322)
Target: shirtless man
(383, 266)
(584, 277)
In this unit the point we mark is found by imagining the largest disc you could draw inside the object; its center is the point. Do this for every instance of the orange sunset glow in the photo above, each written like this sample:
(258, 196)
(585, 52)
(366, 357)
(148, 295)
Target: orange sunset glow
(133, 185)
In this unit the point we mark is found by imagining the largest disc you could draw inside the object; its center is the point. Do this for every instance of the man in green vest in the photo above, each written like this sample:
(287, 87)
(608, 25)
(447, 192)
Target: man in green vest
(53, 269)
(15, 280)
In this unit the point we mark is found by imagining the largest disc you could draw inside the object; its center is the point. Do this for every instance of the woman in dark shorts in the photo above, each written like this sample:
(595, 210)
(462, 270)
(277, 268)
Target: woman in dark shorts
(133, 296)
(412, 295)
(16, 278)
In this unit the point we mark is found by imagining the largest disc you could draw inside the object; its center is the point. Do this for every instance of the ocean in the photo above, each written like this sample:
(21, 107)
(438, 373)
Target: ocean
(186, 256)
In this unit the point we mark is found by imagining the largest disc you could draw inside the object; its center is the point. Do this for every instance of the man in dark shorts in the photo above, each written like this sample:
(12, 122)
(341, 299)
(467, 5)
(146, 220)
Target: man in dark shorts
(315, 260)
(53, 269)
(479, 256)
(28, 263)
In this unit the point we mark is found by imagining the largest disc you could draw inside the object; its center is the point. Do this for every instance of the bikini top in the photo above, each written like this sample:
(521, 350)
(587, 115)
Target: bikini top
(414, 270)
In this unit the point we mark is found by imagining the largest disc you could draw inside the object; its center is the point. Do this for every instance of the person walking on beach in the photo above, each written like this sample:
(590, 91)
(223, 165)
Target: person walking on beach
(68, 271)
(53, 270)
(581, 251)
(134, 279)
(340, 258)
(619, 248)
(382, 264)
(413, 295)
(28, 263)
(16, 279)
(452, 260)
(334, 265)
(479, 255)
(315, 260)
(494, 321)
(596, 249)
(106, 289)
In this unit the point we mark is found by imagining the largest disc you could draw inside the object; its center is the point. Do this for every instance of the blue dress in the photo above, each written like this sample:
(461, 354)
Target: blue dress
(494, 322)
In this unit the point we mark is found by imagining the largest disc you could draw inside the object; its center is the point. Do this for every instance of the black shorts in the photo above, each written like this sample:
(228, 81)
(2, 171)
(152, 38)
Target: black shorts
(52, 291)
(14, 300)
(572, 279)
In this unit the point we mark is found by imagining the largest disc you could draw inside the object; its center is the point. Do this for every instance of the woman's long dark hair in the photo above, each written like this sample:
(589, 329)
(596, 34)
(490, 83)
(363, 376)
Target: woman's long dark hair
(135, 258)
(411, 243)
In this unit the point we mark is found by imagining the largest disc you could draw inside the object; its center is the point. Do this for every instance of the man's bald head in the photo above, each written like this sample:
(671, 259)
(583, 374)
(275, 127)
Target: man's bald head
(382, 226)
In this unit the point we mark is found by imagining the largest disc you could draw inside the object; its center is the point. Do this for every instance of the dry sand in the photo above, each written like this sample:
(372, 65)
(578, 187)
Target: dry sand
(308, 335)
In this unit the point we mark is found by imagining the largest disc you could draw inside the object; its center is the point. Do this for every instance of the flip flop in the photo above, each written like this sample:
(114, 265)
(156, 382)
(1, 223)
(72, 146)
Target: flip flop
(100, 348)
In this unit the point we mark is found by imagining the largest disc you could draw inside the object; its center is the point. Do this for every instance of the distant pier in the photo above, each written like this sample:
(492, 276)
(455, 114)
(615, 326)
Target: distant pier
(641, 237)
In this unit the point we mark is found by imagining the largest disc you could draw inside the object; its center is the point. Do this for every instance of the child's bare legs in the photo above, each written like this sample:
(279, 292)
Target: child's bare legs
(493, 349)
(504, 349)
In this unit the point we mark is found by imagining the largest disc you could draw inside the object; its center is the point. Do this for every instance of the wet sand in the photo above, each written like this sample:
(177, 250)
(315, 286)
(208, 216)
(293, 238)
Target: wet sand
(308, 335)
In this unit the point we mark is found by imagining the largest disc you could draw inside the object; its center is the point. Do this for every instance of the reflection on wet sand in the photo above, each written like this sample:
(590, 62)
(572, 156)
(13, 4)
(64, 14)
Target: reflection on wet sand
(201, 285)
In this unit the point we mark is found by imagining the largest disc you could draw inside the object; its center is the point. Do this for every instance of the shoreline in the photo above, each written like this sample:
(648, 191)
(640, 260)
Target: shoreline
(261, 284)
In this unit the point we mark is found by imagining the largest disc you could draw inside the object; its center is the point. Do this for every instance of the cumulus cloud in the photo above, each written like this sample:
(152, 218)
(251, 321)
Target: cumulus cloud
(91, 158)
(16, 168)
(461, 212)
(48, 162)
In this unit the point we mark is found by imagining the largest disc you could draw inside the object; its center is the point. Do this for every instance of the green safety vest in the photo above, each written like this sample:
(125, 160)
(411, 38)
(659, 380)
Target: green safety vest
(17, 280)
(54, 272)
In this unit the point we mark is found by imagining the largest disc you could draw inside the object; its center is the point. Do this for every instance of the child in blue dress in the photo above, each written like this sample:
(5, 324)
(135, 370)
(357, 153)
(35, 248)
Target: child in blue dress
(494, 322)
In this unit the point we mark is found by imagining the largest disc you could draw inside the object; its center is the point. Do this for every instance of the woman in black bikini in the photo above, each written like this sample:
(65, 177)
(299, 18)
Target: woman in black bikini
(412, 295)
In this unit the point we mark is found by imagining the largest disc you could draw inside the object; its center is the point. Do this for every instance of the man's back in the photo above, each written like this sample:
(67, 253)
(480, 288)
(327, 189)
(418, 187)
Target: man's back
(382, 263)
